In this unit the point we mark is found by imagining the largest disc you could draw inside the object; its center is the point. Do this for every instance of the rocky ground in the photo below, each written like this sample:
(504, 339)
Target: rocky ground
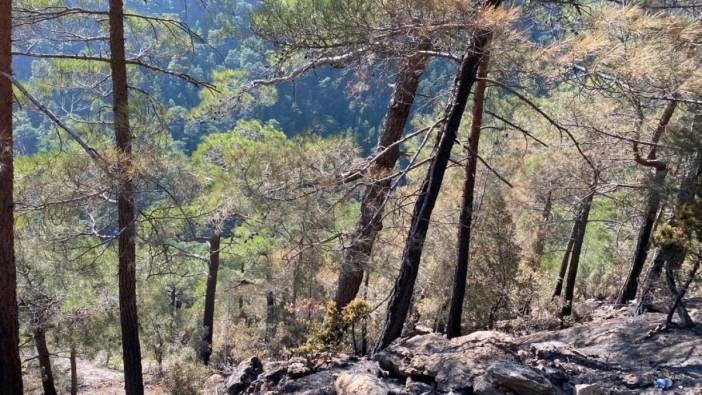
(615, 353)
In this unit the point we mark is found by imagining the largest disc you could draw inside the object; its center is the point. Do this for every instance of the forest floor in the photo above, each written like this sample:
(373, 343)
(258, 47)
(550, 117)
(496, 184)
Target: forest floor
(614, 352)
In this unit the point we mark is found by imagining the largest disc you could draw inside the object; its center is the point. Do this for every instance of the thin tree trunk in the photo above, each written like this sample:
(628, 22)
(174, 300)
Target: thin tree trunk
(577, 248)
(357, 254)
(401, 297)
(540, 242)
(47, 377)
(677, 302)
(208, 316)
(364, 325)
(465, 221)
(270, 317)
(643, 244)
(664, 254)
(74, 371)
(681, 294)
(566, 257)
(10, 367)
(653, 205)
(133, 381)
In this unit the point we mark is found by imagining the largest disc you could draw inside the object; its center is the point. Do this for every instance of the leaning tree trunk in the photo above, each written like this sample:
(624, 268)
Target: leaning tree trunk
(678, 306)
(465, 221)
(628, 291)
(401, 297)
(370, 223)
(10, 367)
(653, 205)
(47, 377)
(577, 249)
(208, 316)
(671, 253)
(133, 382)
(566, 256)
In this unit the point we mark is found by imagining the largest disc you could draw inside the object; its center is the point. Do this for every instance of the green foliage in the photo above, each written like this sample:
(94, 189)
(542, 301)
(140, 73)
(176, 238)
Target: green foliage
(336, 326)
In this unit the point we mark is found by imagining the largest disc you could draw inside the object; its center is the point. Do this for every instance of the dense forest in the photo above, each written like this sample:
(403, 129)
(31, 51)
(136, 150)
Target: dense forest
(185, 185)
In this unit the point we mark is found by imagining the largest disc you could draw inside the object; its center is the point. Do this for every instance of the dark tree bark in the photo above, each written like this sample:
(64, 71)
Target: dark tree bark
(10, 367)
(357, 254)
(653, 205)
(131, 350)
(364, 325)
(672, 254)
(271, 317)
(677, 302)
(401, 297)
(74, 371)
(566, 256)
(208, 316)
(540, 242)
(681, 293)
(465, 221)
(47, 377)
(577, 248)
(628, 291)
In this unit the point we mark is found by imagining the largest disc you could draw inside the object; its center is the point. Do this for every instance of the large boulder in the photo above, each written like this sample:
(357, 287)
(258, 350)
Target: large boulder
(359, 384)
(519, 379)
(450, 365)
(244, 374)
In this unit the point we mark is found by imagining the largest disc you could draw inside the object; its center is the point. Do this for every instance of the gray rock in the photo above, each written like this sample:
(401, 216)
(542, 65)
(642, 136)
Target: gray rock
(519, 379)
(359, 384)
(590, 389)
(245, 373)
(413, 387)
(297, 370)
(451, 364)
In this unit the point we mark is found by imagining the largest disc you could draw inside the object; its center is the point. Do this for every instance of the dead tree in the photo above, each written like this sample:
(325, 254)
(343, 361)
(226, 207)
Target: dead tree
(401, 297)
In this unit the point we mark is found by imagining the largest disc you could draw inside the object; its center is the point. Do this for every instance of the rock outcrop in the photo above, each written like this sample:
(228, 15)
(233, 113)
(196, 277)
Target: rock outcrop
(616, 355)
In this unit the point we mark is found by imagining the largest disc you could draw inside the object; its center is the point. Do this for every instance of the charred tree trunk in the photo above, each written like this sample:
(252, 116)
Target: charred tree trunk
(653, 205)
(540, 242)
(47, 377)
(270, 317)
(465, 221)
(643, 243)
(678, 298)
(10, 367)
(670, 253)
(74, 371)
(208, 316)
(566, 257)
(131, 350)
(364, 325)
(677, 302)
(577, 248)
(401, 297)
(370, 223)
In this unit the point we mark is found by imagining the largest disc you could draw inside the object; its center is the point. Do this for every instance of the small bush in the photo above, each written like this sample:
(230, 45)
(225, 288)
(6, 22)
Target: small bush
(183, 378)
